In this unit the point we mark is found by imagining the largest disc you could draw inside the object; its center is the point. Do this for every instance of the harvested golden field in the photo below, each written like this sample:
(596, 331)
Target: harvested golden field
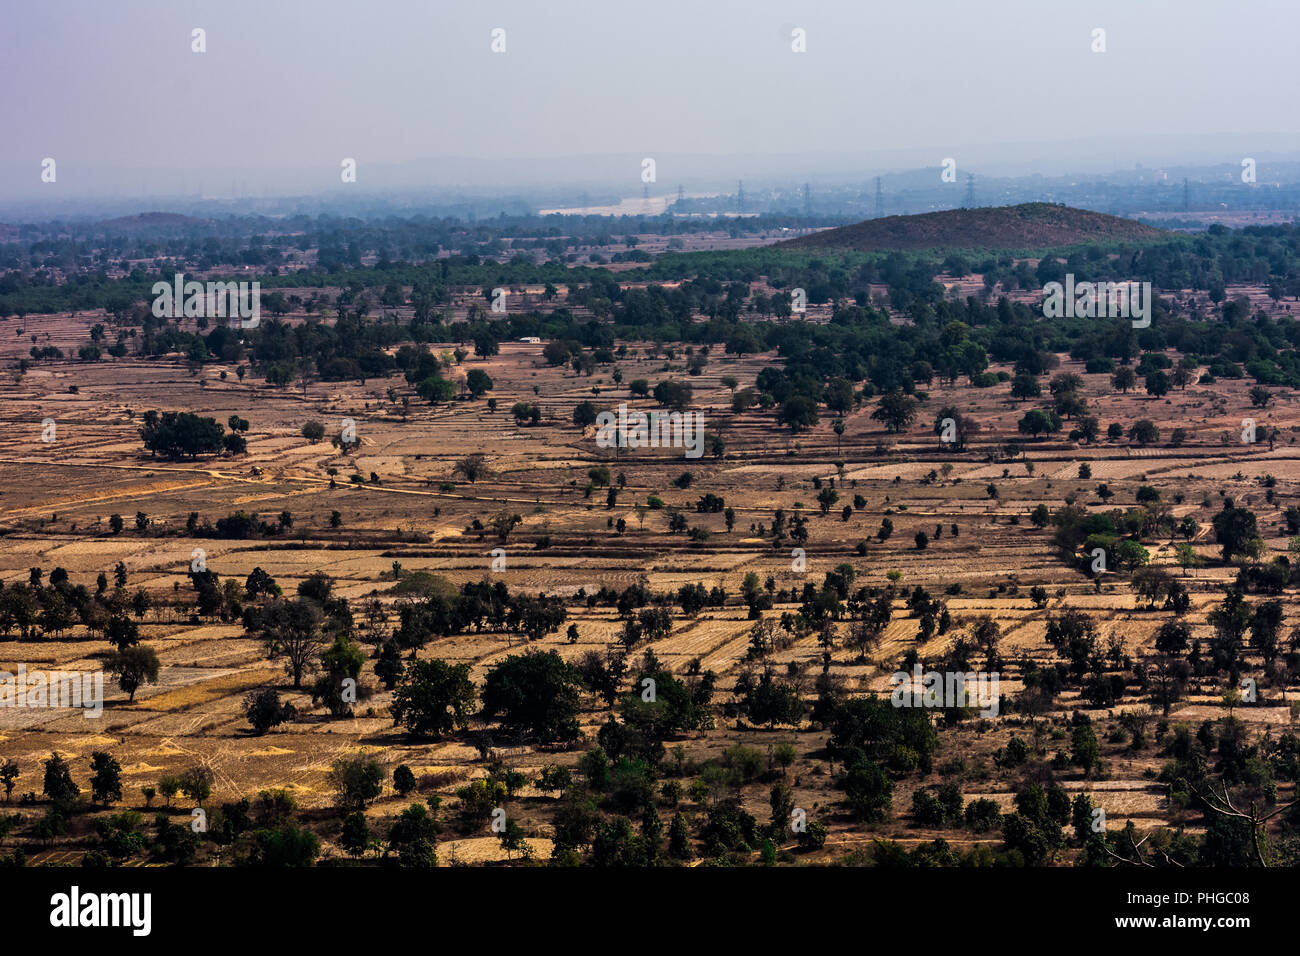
(394, 511)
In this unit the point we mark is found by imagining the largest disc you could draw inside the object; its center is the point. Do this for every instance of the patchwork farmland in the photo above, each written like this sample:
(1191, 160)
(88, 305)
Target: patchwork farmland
(959, 542)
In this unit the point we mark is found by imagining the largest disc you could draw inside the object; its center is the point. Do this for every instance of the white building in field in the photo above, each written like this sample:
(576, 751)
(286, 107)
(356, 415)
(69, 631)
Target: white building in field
(531, 340)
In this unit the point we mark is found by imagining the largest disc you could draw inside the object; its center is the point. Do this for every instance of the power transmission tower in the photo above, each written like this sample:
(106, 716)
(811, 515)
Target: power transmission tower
(807, 200)
(681, 194)
(1187, 196)
(970, 190)
(740, 195)
(880, 200)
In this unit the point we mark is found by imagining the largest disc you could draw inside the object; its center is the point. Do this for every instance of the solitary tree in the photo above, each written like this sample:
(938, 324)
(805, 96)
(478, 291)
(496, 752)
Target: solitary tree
(291, 629)
(133, 667)
(264, 710)
(196, 783)
(1144, 432)
(106, 778)
(1123, 379)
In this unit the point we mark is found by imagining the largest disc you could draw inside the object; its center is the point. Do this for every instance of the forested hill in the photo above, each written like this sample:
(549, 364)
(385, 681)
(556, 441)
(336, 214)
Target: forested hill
(1034, 225)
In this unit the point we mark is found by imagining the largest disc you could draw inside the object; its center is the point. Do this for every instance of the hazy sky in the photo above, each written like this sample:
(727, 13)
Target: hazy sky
(287, 88)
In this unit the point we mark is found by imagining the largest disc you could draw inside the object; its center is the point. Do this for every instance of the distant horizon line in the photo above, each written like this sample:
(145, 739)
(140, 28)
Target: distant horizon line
(549, 177)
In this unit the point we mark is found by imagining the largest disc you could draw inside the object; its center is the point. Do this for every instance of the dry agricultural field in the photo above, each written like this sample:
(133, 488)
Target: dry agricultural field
(410, 511)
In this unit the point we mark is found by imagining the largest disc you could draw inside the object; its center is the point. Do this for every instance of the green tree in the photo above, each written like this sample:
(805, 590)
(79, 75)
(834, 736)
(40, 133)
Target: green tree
(355, 838)
(1025, 386)
(798, 413)
(133, 667)
(264, 710)
(512, 838)
(9, 774)
(478, 382)
(1038, 421)
(1157, 384)
(1084, 751)
(434, 699)
(413, 836)
(196, 783)
(403, 780)
(58, 785)
(106, 778)
(896, 411)
(536, 694)
(291, 630)
(1234, 530)
(357, 781)
(826, 498)
(679, 838)
(288, 845)
(121, 632)
(341, 665)
(1144, 432)
(174, 434)
(435, 389)
(868, 790)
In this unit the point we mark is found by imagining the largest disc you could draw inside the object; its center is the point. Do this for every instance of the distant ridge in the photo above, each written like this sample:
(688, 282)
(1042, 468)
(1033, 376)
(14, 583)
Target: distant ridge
(1034, 225)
